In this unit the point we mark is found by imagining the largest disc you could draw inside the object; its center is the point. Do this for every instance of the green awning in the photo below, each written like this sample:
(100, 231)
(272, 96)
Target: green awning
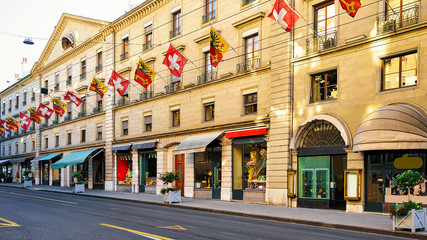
(50, 157)
(74, 158)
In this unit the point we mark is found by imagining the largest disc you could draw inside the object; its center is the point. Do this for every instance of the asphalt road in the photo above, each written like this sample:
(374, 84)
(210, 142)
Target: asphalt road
(26, 214)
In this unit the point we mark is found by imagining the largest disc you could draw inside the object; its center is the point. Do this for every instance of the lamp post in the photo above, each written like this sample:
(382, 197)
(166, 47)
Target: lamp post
(28, 41)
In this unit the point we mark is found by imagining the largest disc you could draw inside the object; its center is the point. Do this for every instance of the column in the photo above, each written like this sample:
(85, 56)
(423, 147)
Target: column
(189, 175)
(162, 159)
(135, 171)
(90, 174)
(226, 170)
(37, 173)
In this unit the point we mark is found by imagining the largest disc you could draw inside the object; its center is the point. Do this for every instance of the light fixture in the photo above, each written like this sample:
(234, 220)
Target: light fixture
(28, 41)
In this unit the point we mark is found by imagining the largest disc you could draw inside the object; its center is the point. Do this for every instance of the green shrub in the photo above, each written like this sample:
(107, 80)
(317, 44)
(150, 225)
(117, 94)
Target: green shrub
(79, 176)
(169, 178)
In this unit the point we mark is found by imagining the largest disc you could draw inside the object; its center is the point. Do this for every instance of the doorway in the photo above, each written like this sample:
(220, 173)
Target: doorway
(179, 166)
(147, 171)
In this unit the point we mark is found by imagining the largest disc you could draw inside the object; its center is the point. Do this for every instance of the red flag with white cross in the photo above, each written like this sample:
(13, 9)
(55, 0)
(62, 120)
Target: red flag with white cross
(284, 15)
(119, 83)
(73, 98)
(44, 111)
(25, 121)
(4, 125)
(175, 61)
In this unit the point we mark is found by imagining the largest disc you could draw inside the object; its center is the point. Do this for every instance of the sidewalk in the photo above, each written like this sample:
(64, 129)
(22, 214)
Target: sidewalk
(365, 222)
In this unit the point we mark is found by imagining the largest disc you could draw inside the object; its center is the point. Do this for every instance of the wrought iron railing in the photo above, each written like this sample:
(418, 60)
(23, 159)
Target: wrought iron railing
(145, 95)
(54, 122)
(395, 19)
(121, 102)
(67, 118)
(209, 17)
(322, 42)
(56, 87)
(31, 129)
(207, 77)
(124, 56)
(68, 82)
(173, 87)
(33, 99)
(248, 65)
(10, 109)
(44, 125)
(82, 76)
(96, 110)
(147, 45)
(16, 106)
(24, 103)
(174, 32)
(98, 68)
(81, 114)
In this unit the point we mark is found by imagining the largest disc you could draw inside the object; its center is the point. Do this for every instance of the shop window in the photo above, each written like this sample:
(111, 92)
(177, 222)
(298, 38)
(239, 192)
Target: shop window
(399, 71)
(175, 118)
(249, 166)
(125, 128)
(324, 86)
(250, 103)
(99, 133)
(148, 122)
(314, 177)
(124, 169)
(207, 169)
(83, 135)
(209, 111)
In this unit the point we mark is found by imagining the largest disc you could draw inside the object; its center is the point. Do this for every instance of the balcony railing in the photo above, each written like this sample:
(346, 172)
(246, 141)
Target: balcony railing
(67, 118)
(173, 87)
(147, 45)
(68, 82)
(16, 106)
(33, 99)
(124, 56)
(396, 19)
(54, 122)
(9, 109)
(81, 114)
(206, 77)
(82, 76)
(24, 103)
(248, 65)
(56, 87)
(322, 42)
(30, 129)
(145, 95)
(174, 32)
(98, 68)
(121, 102)
(96, 110)
(208, 17)
(245, 2)
(44, 125)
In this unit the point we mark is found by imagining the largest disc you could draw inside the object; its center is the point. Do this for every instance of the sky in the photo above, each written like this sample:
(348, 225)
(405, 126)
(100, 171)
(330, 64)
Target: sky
(36, 19)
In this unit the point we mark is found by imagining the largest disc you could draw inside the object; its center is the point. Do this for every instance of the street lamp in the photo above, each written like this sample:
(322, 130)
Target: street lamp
(28, 41)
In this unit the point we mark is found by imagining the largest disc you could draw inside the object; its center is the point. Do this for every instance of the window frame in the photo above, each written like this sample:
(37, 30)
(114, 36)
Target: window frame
(56, 140)
(82, 135)
(148, 36)
(69, 138)
(98, 133)
(316, 21)
(253, 52)
(326, 73)
(125, 127)
(177, 22)
(212, 110)
(176, 114)
(400, 70)
(148, 125)
(246, 103)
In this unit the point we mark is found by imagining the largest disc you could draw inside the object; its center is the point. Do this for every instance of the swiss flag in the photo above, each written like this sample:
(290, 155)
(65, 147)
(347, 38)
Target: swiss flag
(4, 125)
(175, 61)
(283, 15)
(73, 98)
(44, 111)
(119, 83)
(25, 121)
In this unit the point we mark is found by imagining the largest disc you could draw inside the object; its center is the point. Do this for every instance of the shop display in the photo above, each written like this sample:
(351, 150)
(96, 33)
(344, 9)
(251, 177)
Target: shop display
(255, 169)
(124, 169)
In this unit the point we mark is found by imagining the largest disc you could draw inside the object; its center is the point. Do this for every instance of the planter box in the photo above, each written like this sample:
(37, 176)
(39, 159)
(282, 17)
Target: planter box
(172, 197)
(414, 220)
(28, 184)
(79, 188)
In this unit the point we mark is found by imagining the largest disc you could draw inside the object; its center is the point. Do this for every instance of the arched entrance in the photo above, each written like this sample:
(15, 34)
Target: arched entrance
(321, 163)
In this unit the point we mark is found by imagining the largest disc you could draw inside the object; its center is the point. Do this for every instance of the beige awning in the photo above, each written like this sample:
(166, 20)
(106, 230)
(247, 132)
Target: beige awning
(392, 127)
(197, 143)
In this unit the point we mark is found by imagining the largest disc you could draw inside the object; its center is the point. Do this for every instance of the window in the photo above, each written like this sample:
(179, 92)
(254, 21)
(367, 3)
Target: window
(251, 51)
(16, 148)
(24, 99)
(125, 49)
(3, 108)
(33, 145)
(33, 96)
(83, 108)
(209, 111)
(148, 37)
(314, 177)
(99, 133)
(148, 122)
(46, 142)
(250, 103)
(69, 109)
(69, 138)
(324, 24)
(56, 140)
(125, 127)
(24, 147)
(99, 60)
(83, 135)
(403, 12)
(83, 69)
(99, 103)
(10, 149)
(46, 83)
(175, 118)
(4, 151)
(69, 75)
(245, 2)
(10, 104)
(124, 169)
(399, 71)
(324, 86)
(176, 24)
(210, 7)
(57, 81)
(209, 69)
(17, 102)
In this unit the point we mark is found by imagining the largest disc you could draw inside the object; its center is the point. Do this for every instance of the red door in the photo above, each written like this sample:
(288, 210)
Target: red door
(179, 166)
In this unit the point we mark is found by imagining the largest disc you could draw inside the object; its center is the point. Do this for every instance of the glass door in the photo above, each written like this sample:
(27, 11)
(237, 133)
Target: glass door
(216, 177)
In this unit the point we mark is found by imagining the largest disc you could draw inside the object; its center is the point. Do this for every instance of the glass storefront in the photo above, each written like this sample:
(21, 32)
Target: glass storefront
(44, 168)
(148, 168)
(98, 166)
(207, 170)
(124, 169)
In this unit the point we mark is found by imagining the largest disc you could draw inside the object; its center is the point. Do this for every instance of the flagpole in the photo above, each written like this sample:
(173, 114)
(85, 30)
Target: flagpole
(155, 73)
(189, 60)
(226, 42)
(390, 6)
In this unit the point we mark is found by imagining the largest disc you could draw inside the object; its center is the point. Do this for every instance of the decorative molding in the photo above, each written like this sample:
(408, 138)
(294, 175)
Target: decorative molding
(81, 88)
(179, 48)
(151, 59)
(248, 19)
(124, 70)
(204, 37)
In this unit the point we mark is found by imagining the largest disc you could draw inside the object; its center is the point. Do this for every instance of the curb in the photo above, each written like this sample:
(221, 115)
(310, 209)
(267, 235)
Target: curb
(257, 216)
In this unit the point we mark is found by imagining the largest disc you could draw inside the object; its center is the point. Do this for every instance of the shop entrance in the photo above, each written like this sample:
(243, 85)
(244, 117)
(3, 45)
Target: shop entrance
(147, 171)
(207, 172)
(44, 167)
(179, 166)
(98, 167)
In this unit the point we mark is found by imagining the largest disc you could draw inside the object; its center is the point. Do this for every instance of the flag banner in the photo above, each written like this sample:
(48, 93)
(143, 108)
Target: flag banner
(98, 87)
(283, 15)
(4, 125)
(59, 107)
(34, 116)
(73, 98)
(1, 131)
(175, 61)
(218, 47)
(144, 75)
(25, 121)
(351, 6)
(12, 124)
(119, 83)
(44, 111)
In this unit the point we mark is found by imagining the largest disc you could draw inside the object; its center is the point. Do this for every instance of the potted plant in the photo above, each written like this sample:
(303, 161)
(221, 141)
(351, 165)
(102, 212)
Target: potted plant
(170, 194)
(28, 178)
(79, 185)
(408, 215)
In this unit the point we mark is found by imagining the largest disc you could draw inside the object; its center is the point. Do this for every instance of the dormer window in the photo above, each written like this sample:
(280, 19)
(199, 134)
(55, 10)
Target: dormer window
(67, 41)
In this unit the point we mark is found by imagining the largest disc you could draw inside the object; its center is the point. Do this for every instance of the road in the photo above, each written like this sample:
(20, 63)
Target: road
(27, 214)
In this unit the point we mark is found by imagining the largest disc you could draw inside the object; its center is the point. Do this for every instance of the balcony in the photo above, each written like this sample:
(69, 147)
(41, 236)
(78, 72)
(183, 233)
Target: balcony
(173, 87)
(98, 68)
(82, 76)
(24, 103)
(174, 32)
(96, 110)
(122, 102)
(246, 2)
(396, 19)
(30, 129)
(206, 77)
(248, 65)
(54, 122)
(9, 109)
(56, 87)
(44, 125)
(208, 17)
(124, 56)
(67, 118)
(81, 114)
(33, 99)
(16, 106)
(145, 95)
(147, 45)
(322, 42)
(68, 82)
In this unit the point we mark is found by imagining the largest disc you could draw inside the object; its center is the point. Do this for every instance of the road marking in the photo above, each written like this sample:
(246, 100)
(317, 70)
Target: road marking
(50, 199)
(176, 227)
(8, 224)
(147, 235)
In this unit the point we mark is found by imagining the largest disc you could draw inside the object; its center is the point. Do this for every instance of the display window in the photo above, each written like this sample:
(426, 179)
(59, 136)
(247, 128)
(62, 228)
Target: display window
(249, 166)
(148, 167)
(207, 169)
(124, 169)
(314, 177)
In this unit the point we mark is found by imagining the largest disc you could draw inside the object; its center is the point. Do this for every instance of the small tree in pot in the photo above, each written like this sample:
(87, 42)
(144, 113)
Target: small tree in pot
(170, 194)
(79, 185)
(28, 178)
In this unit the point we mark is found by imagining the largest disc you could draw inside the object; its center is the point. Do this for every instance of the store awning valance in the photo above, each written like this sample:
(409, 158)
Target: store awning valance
(50, 157)
(17, 160)
(74, 158)
(122, 147)
(246, 132)
(392, 127)
(197, 143)
(39, 157)
(4, 161)
(144, 145)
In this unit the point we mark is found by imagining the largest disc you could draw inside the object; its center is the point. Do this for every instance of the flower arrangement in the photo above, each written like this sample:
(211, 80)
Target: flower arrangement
(402, 209)
(27, 176)
(169, 178)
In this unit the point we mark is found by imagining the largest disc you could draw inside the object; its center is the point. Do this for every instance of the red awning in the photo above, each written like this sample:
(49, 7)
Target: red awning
(246, 132)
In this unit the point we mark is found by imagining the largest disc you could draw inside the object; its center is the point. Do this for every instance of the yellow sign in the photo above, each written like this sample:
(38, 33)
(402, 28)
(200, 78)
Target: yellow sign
(406, 162)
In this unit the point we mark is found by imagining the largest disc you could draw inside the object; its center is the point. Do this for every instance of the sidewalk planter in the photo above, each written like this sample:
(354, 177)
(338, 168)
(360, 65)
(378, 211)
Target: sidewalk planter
(28, 183)
(79, 188)
(414, 220)
(172, 197)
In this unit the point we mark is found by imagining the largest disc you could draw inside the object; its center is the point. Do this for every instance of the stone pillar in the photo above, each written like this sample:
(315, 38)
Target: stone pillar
(90, 174)
(161, 166)
(37, 173)
(292, 202)
(15, 169)
(135, 171)
(113, 173)
(355, 160)
(226, 170)
(189, 175)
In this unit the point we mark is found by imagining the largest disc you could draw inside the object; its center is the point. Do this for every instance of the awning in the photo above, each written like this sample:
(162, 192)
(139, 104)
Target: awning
(144, 145)
(246, 132)
(50, 156)
(4, 161)
(17, 160)
(74, 158)
(39, 157)
(122, 147)
(197, 143)
(392, 127)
